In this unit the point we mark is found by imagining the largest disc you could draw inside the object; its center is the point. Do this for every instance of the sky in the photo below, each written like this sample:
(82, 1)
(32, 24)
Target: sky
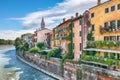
(24, 16)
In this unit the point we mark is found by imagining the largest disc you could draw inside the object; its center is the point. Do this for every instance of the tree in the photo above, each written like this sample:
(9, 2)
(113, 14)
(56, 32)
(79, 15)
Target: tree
(41, 45)
(18, 42)
(89, 36)
(50, 54)
(26, 45)
(34, 50)
(57, 52)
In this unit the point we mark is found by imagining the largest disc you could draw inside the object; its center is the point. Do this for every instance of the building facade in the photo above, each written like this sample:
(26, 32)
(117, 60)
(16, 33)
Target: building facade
(58, 33)
(42, 35)
(79, 31)
(104, 49)
(105, 20)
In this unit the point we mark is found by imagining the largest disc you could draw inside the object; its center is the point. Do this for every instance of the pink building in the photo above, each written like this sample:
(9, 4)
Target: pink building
(42, 34)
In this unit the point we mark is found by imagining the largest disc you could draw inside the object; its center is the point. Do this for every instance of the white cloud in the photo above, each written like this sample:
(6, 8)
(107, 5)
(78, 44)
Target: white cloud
(54, 15)
(10, 34)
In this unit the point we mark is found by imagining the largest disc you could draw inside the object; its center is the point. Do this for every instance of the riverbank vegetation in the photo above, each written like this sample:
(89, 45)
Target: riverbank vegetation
(6, 42)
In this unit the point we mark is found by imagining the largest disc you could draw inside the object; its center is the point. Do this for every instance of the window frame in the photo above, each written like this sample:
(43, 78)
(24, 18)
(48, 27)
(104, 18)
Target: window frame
(118, 6)
(92, 15)
(106, 10)
(112, 8)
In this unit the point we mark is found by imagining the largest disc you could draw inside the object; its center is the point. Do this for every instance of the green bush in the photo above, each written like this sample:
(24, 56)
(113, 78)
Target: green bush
(105, 54)
(18, 42)
(79, 74)
(98, 44)
(34, 50)
(105, 43)
(112, 56)
(57, 52)
(26, 45)
(50, 54)
(111, 43)
(41, 45)
(89, 36)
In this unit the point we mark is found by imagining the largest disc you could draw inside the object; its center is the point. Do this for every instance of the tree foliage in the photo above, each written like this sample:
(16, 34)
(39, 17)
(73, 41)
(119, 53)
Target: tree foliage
(41, 45)
(6, 42)
(26, 46)
(34, 50)
(18, 42)
(89, 36)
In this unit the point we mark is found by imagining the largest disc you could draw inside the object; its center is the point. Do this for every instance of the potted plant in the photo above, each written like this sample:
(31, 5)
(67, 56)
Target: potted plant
(105, 44)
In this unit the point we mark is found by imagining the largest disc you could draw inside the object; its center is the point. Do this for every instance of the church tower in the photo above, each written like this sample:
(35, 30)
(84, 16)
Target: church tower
(42, 24)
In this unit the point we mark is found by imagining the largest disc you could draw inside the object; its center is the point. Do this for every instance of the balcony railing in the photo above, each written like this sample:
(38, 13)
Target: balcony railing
(61, 30)
(109, 29)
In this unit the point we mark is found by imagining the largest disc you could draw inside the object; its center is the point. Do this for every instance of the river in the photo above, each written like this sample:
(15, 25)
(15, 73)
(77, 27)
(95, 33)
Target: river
(12, 68)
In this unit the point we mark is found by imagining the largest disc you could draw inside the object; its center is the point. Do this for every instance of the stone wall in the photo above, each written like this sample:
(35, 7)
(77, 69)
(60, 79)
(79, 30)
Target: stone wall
(50, 66)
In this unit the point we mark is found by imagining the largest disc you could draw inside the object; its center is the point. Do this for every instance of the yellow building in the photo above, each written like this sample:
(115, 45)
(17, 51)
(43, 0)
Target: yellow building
(105, 19)
(104, 50)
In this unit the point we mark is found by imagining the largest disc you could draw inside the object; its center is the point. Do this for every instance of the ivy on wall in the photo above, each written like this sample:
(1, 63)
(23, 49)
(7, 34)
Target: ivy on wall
(69, 55)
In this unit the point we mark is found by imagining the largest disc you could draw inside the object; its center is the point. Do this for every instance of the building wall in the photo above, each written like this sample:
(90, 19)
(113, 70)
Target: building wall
(100, 17)
(42, 35)
(58, 33)
(77, 39)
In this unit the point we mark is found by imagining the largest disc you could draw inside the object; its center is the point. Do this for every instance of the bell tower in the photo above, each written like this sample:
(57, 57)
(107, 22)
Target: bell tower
(42, 24)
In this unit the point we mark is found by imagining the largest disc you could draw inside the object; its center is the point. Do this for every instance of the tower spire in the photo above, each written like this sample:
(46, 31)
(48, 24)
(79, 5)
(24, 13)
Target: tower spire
(42, 24)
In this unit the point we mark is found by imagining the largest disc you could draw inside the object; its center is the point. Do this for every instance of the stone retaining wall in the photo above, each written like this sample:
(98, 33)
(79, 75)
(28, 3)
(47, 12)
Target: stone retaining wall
(50, 66)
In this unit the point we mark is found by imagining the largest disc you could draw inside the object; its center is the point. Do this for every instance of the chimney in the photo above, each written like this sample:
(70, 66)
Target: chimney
(72, 17)
(99, 2)
(76, 14)
(63, 19)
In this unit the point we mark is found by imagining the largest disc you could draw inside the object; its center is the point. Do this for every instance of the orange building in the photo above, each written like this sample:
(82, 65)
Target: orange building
(79, 30)
(58, 33)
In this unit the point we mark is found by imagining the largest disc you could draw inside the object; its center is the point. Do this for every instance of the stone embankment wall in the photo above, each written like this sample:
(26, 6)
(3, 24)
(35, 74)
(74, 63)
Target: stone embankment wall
(52, 66)
(69, 71)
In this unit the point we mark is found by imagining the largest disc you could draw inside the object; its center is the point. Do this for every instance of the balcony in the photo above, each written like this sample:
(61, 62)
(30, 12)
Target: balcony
(108, 60)
(61, 30)
(111, 45)
(109, 29)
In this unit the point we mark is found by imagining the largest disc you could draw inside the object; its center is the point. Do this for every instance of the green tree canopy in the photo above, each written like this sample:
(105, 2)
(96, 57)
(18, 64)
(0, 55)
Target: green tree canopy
(41, 45)
(34, 50)
(18, 42)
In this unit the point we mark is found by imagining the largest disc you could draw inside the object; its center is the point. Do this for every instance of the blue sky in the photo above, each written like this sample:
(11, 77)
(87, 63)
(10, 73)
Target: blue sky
(19, 8)
(22, 16)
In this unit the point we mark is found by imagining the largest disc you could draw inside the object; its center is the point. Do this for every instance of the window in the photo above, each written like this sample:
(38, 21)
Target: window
(80, 33)
(73, 35)
(118, 38)
(112, 24)
(92, 15)
(118, 24)
(106, 25)
(92, 27)
(106, 10)
(73, 45)
(112, 38)
(80, 47)
(106, 38)
(118, 6)
(80, 22)
(112, 8)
